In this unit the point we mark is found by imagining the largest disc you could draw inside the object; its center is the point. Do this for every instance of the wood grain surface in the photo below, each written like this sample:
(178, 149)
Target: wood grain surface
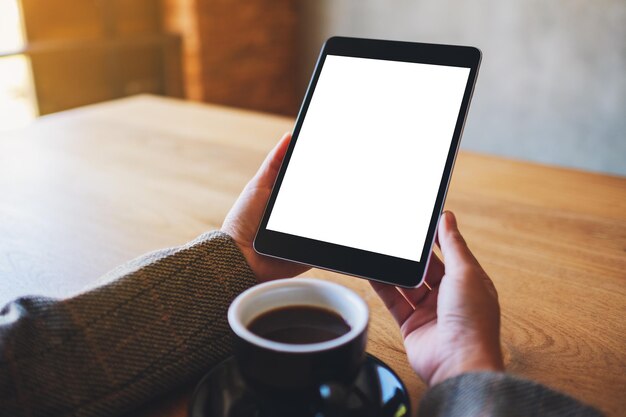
(86, 190)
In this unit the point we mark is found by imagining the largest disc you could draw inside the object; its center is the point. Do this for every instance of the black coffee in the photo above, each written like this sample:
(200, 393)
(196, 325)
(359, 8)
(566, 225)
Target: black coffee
(299, 325)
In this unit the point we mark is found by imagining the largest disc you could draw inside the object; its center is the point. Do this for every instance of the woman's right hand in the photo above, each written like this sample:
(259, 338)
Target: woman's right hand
(455, 328)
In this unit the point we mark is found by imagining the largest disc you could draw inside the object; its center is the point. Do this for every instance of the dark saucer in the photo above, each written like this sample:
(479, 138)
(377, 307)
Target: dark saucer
(376, 392)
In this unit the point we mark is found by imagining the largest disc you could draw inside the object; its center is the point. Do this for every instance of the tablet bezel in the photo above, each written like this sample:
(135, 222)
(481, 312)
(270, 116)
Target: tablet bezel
(358, 262)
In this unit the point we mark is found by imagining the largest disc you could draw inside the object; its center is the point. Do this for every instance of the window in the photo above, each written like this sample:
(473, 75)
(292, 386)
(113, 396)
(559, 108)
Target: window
(17, 100)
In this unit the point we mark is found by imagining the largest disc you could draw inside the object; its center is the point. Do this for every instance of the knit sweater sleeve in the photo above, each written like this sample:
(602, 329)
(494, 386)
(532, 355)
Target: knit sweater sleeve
(495, 394)
(161, 321)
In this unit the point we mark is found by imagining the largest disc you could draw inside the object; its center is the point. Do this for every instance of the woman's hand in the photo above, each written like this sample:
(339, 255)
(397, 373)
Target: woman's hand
(244, 217)
(456, 327)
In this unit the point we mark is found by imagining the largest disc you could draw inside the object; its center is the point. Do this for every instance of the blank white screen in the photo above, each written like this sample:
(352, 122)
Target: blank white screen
(369, 158)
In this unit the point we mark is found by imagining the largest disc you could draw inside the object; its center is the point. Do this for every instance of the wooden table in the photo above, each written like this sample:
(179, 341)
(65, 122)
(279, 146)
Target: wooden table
(86, 190)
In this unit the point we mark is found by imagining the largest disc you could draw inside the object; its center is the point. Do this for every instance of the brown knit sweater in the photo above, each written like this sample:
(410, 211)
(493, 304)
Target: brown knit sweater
(161, 322)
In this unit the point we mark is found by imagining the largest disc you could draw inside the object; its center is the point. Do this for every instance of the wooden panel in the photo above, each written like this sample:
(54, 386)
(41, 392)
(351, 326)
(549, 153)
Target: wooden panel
(90, 19)
(70, 78)
(48, 20)
(174, 79)
(180, 16)
(140, 69)
(241, 54)
(249, 53)
(68, 75)
(86, 51)
(136, 17)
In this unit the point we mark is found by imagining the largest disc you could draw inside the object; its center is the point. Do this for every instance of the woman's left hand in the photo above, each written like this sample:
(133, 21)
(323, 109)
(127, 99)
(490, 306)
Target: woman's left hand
(244, 217)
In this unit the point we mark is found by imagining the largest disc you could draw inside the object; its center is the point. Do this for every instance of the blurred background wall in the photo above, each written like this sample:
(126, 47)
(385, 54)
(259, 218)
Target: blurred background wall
(552, 86)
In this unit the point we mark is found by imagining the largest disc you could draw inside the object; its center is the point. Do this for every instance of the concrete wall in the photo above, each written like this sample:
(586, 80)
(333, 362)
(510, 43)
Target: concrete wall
(552, 86)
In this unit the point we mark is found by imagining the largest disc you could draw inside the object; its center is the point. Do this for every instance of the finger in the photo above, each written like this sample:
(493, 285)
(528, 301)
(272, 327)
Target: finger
(396, 303)
(453, 247)
(434, 273)
(268, 171)
(424, 312)
(402, 301)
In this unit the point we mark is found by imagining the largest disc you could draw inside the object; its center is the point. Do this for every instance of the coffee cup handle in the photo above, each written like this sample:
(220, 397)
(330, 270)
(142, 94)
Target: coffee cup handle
(333, 396)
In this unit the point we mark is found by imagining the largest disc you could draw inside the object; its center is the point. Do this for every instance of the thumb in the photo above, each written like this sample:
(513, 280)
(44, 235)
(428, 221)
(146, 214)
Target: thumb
(453, 246)
(266, 175)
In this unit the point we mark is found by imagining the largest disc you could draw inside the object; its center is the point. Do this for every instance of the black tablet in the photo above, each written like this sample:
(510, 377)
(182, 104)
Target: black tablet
(364, 179)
